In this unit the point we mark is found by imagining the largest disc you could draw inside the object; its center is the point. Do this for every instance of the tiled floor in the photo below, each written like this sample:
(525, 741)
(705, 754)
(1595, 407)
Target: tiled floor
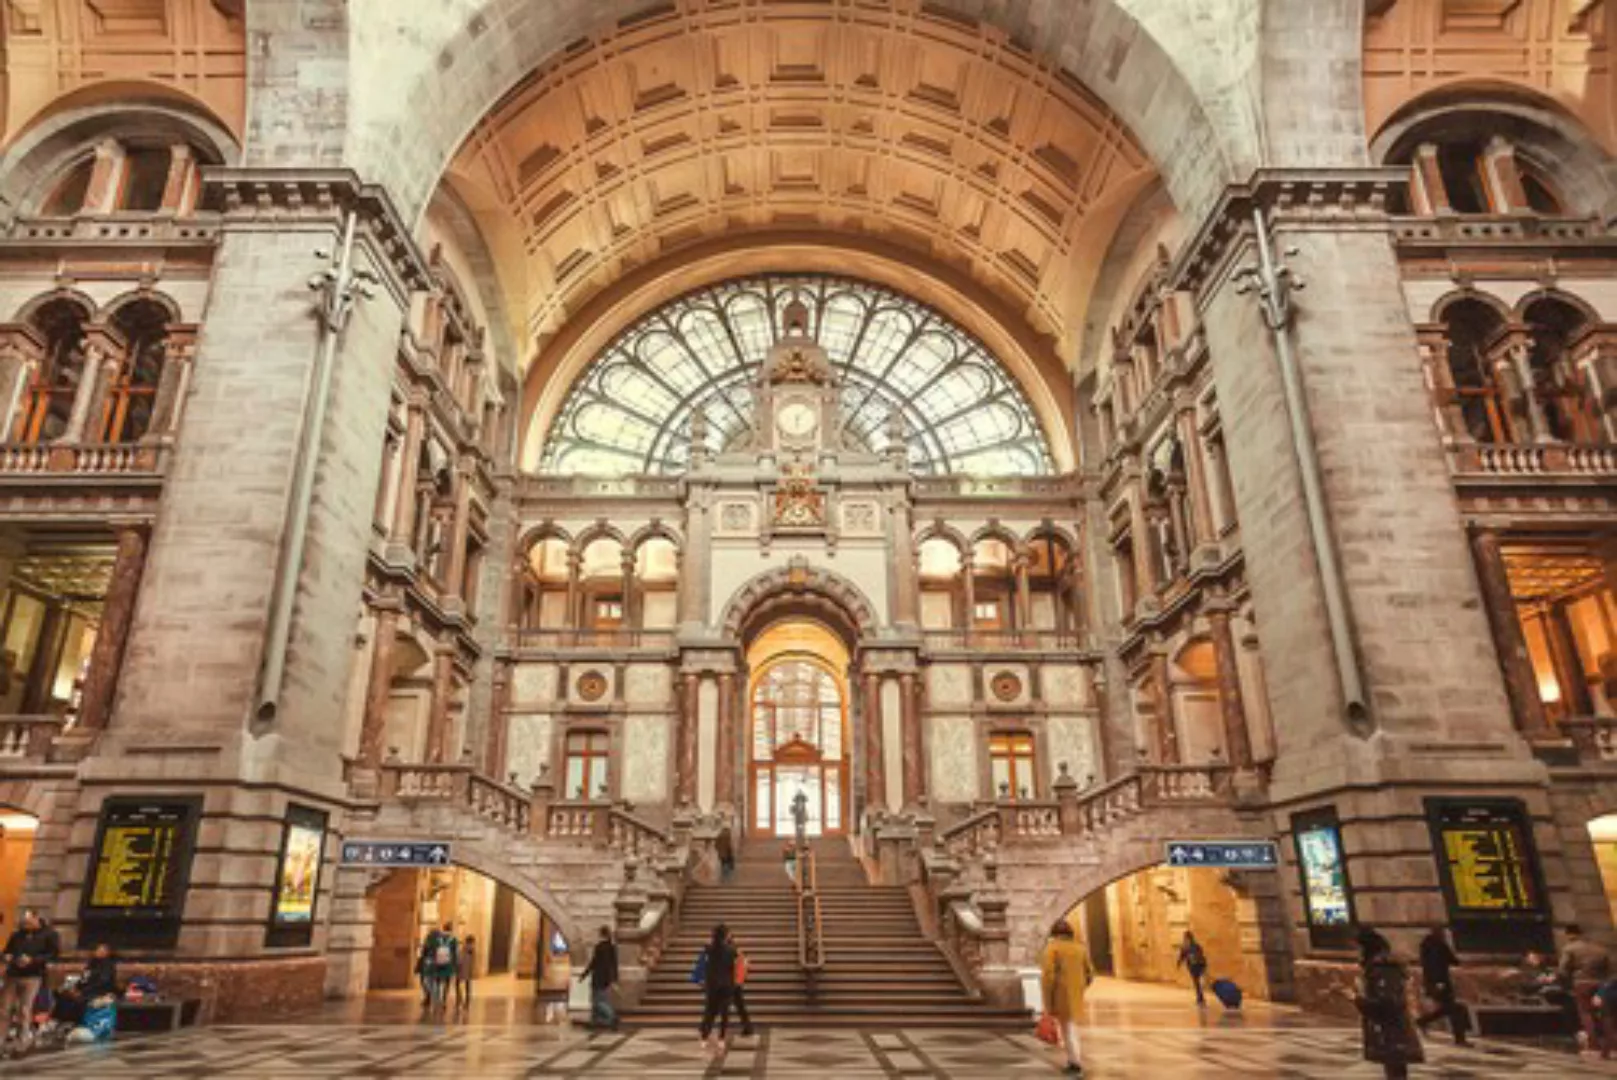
(1134, 1032)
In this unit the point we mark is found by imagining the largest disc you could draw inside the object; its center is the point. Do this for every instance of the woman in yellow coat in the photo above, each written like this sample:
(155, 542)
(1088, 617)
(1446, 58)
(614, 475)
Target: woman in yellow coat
(1066, 974)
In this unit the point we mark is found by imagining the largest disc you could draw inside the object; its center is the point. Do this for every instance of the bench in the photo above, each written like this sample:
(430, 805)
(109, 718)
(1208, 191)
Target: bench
(149, 1016)
(1523, 1019)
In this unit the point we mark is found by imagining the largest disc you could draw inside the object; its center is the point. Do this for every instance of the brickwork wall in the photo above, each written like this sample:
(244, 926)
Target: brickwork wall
(298, 81)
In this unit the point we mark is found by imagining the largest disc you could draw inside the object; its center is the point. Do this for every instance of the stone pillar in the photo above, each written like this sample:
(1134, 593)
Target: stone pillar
(694, 557)
(902, 571)
(575, 592)
(52, 627)
(172, 384)
(1568, 666)
(117, 613)
(969, 592)
(100, 366)
(1504, 177)
(914, 762)
(402, 533)
(1430, 195)
(179, 190)
(1521, 683)
(1518, 354)
(1145, 547)
(499, 723)
(689, 721)
(626, 565)
(373, 728)
(1165, 734)
(1202, 529)
(875, 774)
(1024, 591)
(459, 533)
(19, 356)
(106, 178)
(1237, 739)
(725, 763)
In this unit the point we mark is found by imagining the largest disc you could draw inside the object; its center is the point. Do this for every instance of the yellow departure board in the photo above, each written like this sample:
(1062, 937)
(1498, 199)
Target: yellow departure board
(1488, 866)
(136, 864)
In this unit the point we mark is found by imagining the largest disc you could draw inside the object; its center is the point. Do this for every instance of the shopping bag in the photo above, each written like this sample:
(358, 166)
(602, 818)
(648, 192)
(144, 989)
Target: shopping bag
(1047, 1030)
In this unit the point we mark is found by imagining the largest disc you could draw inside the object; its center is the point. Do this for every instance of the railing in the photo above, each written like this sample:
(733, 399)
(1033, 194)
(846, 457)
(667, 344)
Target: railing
(1593, 737)
(657, 487)
(1042, 640)
(88, 459)
(1474, 228)
(1529, 459)
(578, 639)
(810, 925)
(1068, 485)
(605, 825)
(28, 737)
(460, 785)
(125, 226)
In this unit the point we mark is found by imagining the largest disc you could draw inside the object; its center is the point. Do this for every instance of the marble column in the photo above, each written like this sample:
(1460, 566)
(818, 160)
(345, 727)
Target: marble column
(402, 533)
(499, 724)
(117, 612)
(443, 688)
(1521, 683)
(1166, 737)
(689, 719)
(969, 591)
(1232, 707)
(1568, 666)
(626, 567)
(725, 786)
(1024, 591)
(91, 377)
(373, 727)
(875, 775)
(905, 574)
(1202, 530)
(914, 763)
(171, 387)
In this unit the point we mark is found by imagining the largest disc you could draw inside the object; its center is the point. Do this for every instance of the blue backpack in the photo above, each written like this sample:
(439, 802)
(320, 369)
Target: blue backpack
(699, 970)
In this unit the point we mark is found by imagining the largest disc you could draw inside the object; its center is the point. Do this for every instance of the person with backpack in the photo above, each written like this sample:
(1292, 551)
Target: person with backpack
(1194, 961)
(716, 972)
(602, 972)
(465, 972)
(1065, 974)
(443, 952)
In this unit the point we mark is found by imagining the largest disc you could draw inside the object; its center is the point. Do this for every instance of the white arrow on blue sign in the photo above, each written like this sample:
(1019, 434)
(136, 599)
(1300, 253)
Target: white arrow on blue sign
(1224, 854)
(396, 853)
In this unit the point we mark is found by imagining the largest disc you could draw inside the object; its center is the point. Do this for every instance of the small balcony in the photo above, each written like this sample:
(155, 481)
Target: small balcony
(569, 639)
(998, 641)
(52, 460)
(28, 745)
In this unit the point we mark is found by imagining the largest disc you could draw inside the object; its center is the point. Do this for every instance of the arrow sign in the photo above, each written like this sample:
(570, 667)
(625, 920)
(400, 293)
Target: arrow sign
(396, 853)
(1224, 854)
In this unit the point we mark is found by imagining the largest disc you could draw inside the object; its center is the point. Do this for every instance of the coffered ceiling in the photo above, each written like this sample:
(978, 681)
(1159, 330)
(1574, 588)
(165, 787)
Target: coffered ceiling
(710, 118)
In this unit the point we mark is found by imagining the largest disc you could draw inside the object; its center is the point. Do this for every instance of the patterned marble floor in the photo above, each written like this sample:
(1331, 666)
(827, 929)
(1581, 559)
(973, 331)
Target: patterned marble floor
(312, 1052)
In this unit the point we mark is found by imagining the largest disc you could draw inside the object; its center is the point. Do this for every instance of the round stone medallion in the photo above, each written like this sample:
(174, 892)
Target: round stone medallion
(1006, 686)
(591, 686)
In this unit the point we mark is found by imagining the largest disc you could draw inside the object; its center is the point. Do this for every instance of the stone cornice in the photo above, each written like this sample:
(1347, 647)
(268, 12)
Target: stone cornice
(280, 197)
(1353, 198)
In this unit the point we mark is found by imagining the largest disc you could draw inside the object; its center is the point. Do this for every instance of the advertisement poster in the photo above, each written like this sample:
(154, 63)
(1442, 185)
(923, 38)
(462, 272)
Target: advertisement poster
(297, 881)
(1322, 866)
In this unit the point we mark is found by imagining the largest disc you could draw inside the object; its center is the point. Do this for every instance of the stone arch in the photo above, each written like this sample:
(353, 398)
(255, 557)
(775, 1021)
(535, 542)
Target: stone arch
(77, 297)
(1059, 533)
(1550, 292)
(135, 296)
(799, 586)
(493, 863)
(940, 530)
(652, 531)
(406, 138)
(995, 530)
(600, 530)
(545, 530)
(1440, 308)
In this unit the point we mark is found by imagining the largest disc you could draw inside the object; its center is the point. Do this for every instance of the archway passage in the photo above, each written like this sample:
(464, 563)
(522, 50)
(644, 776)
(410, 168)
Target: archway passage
(798, 742)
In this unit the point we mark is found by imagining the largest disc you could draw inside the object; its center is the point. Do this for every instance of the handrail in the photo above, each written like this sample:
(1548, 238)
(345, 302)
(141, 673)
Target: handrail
(810, 927)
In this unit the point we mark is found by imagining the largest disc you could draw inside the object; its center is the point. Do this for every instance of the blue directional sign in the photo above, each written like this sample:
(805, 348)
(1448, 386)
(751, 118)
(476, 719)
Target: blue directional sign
(1225, 854)
(404, 853)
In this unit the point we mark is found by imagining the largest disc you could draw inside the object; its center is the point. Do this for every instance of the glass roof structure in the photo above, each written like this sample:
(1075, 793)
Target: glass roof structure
(630, 411)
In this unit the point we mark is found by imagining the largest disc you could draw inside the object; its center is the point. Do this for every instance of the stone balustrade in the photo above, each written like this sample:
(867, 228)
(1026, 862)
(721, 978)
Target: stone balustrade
(459, 785)
(621, 638)
(1593, 739)
(27, 738)
(1534, 459)
(1006, 640)
(87, 459)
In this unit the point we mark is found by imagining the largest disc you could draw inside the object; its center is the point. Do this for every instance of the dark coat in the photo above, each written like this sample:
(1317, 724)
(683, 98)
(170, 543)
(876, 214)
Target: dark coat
(721, 969)
(31, 951)
(602, 970)
(1437, 962)
(1390, 1037)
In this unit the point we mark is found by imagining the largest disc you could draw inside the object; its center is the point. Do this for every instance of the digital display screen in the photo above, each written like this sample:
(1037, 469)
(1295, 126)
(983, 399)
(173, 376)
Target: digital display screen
(1322, 869)
(1490, 874)
(139, 863)
(301, 850)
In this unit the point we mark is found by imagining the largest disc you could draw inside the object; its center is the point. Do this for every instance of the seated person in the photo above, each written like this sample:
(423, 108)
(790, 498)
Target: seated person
(99, 979)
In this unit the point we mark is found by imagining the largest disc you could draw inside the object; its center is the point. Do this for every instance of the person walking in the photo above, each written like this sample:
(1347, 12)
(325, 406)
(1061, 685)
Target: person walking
(27, 957)
(1064, 975)
(724, 847)
(465, 972)
(1437, 963)
(443, 952)
(1584, 966)
(718, 987)
(602, 972)
(743, 967)
(1194, 960)
(1390, 1038)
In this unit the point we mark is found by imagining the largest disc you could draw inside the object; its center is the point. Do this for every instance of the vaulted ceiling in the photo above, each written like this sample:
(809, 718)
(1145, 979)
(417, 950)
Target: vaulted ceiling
(710, 118)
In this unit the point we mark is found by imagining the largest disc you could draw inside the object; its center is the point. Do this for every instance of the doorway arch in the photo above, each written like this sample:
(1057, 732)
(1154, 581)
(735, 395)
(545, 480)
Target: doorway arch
(798, 739)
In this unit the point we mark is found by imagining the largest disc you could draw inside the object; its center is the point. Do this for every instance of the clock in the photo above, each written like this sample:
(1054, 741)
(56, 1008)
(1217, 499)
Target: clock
(797, 420)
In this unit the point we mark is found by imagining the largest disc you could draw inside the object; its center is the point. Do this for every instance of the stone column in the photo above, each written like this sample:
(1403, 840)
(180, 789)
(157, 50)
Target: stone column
(1237, 739)
(1518, 355)
(1145, 546)
(969, 591)
(1202, 529)
(117, 613)
(443, 688)
(402, 534)
(630, 615)
(575, 609)
(902, 568)
(1166, 735)
(1568, 667)
(694, 557)
(172, 384)
(1431, 196)
(1521, 683)
(460, 532)
(373, 728)
(100, 365)
(106, 177)
(1024, 591)
(499, 723)
(179, 188)
(875, 774)
(689, 721)
(36, 689)
(724, 788)
(1505, 178)
(914, 763)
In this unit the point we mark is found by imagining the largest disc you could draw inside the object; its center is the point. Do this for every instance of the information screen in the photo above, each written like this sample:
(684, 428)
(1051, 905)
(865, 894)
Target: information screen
(138, 866)
(300, 867)
(1323, 870)
(1490, 873)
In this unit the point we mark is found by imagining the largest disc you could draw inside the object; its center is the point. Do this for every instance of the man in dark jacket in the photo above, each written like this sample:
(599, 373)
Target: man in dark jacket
(1437, 964)
(28, 954)
(602, 972)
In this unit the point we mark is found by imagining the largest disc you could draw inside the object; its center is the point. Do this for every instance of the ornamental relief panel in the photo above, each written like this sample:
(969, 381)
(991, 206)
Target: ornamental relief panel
(736, 517)
(533, 684)
(861, 517)
(949, 684)
(647, 684)
(953, 759)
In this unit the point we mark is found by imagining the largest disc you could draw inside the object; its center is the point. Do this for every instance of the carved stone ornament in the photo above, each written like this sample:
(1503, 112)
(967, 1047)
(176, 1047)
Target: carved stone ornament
(799, 503)
(591, 686)
(1006, 686)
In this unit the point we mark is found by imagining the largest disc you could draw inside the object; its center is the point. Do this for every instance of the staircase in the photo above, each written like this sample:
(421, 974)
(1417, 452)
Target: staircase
(880, 969)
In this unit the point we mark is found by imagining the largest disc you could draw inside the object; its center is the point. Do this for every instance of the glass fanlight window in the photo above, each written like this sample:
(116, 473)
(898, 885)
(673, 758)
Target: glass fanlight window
(630, 411)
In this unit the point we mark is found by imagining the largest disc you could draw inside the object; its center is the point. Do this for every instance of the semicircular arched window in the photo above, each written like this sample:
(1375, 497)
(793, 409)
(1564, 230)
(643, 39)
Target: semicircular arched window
(630, 411)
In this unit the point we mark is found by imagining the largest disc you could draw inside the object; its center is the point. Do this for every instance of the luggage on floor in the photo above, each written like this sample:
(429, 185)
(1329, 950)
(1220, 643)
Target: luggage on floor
(1228, 994)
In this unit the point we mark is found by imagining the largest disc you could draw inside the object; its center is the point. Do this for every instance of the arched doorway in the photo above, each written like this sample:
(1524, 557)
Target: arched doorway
(798, 740)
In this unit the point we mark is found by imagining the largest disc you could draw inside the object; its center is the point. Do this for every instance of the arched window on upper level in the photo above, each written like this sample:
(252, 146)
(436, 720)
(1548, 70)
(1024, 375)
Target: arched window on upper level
(130, 399)
(118, 176)
(53, 385)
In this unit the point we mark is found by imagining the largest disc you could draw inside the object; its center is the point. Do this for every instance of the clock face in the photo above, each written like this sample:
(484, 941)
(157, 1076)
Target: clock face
(797, 420)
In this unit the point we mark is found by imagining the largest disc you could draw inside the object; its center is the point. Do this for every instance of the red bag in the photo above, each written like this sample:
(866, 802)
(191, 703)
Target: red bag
(1048, 1030)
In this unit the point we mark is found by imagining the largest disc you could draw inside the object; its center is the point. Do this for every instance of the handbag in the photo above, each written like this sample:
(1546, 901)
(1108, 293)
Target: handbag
(1047, 1030)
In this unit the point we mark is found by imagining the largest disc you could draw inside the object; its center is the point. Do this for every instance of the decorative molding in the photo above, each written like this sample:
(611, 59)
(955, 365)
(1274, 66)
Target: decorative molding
(798, 580)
